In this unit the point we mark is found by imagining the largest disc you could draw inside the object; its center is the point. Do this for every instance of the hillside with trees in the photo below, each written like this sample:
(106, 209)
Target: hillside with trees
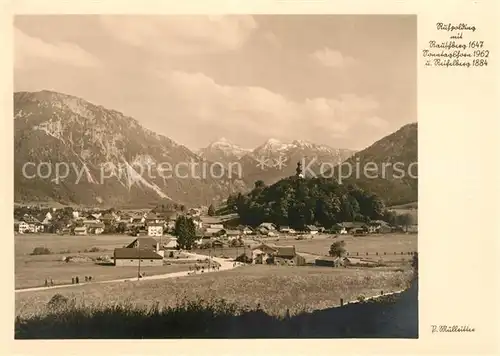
(388, 168)
(297, 202)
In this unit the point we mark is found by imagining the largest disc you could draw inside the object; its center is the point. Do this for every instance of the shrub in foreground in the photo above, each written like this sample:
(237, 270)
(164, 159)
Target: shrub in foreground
(41, 251)
(388, 316)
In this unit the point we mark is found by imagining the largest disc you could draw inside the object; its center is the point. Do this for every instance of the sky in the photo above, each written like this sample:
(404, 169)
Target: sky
(343, 81)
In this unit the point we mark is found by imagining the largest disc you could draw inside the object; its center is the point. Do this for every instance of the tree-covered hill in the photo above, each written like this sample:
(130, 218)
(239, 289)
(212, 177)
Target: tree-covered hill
(297, 202)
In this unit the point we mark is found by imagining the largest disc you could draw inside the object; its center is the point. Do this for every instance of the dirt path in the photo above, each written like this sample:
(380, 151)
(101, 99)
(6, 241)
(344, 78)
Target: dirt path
(225, 264)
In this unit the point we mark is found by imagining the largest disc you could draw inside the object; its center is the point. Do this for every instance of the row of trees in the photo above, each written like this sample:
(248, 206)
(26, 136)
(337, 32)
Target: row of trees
(297, 202)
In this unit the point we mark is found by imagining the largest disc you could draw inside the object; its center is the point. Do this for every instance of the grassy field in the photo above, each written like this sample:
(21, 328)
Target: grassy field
(371, 244)
(24, 244)
(31, 271)
(388, 316)
(276, 289)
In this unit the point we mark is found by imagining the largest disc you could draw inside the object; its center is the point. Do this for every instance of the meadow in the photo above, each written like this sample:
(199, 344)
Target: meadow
(32, 270)
(371, 244)
(24, 244)
(275, 289)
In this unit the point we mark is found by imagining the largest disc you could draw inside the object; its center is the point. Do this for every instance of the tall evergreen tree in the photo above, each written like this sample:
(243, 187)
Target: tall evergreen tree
(185, 230)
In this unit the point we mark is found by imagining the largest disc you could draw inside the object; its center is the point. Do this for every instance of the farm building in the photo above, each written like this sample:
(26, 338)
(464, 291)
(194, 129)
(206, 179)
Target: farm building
(214, 231)
(286, 255)
(280, 255)
(233, 234)
(351, 261)
(170, 244)
(94, 227)
(155, 229)
(246, 230)
(285, 229)
(328, 262)
(379, 226)
(359, 231)
(152, 218)
(262, 253)
(267, 226)
(412, 229)
(132, 256)
(108, 219)
(147, 243)
(350, 227)
(311, 229)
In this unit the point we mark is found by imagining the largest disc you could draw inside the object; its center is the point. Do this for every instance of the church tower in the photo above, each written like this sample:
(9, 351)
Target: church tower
(298, 170)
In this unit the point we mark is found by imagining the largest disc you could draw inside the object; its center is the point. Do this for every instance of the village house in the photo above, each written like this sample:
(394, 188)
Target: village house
(214, 231)
(246, 230)
(354, 227)
(233, 234)
(285, 229)
(152, 218)
(268, 226)
(412, 229)
(217, 243)
(170, 225)
(93, 217)
(198, 223)
(312, 229)
(171, 243)
(132, 256)
(137, 219)
(338, 229)
(379, 226)
(94, 227)
(285, 255)
(108, 219)
(279, 255)
(216, 226)
(21, 226)
(263, 254)
(80, 230)
(194, 212)
(124, 217)
(155, 229)
(34, 225)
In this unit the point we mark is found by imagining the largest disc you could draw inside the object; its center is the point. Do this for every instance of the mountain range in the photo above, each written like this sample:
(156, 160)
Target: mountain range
(107, 158)
(388, 168)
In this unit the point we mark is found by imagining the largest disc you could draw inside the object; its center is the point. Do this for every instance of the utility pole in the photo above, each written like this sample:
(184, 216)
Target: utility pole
(209, 258)
(139, 265)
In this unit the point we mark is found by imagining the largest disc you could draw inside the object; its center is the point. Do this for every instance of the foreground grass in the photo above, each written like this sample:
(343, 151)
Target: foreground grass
(275, 289)
(391, 317)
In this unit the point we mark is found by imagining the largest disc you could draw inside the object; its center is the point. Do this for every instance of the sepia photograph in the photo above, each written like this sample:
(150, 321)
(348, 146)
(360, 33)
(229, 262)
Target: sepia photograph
(198, 176)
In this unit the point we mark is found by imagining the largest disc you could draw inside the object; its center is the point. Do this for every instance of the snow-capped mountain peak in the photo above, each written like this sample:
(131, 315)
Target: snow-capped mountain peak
(272, 145)
(221, 150)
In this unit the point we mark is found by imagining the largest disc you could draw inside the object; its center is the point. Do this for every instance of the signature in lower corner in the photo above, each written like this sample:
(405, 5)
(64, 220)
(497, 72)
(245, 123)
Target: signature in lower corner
(451, 329)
